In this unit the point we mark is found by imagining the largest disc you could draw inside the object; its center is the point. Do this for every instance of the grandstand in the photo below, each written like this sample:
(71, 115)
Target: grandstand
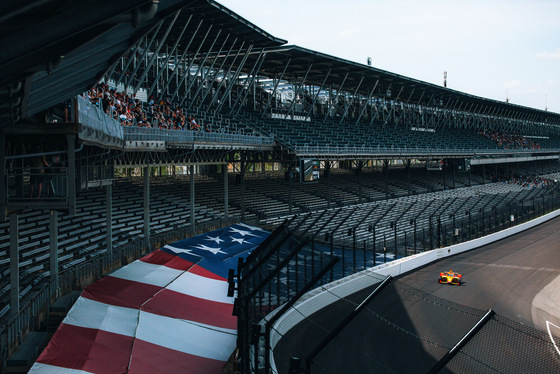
(125, 126)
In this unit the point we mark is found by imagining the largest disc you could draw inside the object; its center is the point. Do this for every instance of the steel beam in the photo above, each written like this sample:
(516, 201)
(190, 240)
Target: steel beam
(166, 63)
(276, 87)
(187, 70)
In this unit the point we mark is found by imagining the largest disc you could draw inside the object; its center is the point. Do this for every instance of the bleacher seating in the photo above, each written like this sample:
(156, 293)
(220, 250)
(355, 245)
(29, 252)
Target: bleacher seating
(266, 197)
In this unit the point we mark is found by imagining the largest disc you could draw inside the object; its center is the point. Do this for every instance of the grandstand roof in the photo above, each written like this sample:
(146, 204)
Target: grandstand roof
(407, 89)
(53, 50)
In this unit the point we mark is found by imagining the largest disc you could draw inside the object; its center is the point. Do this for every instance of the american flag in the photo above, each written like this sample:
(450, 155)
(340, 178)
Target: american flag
(166, 313)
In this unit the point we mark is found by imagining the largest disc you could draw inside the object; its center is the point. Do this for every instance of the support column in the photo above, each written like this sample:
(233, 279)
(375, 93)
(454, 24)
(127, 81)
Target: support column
(53, 256)
(444, 167)
(290, 177)
(226, 193)
(14, 264)
(408, 176)
(3, 193)
(242, 185)
(147, 206)
(71, 174)
(328, 176)
(191, 179)
(109, 224)
(386, 165)
(453, 175)
(360, 170)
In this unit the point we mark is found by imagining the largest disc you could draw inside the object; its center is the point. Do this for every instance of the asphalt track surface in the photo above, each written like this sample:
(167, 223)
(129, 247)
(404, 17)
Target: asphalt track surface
(506, 276)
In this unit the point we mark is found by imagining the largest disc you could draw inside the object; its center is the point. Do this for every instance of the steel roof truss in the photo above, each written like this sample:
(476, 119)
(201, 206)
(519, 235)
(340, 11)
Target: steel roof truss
(355, 93)
(235, 57)
(248, 86)
(220, 68)
(177, 64)
(187, 71)
(203, 75)
(166, 63)
(366, 103)
(298, 89)
(155, 55)
(277, 81)
(198, 71)
(233, 80)
(314, 101)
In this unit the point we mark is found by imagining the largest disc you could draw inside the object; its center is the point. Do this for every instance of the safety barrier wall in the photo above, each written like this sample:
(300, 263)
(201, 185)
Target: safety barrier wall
(328, 294)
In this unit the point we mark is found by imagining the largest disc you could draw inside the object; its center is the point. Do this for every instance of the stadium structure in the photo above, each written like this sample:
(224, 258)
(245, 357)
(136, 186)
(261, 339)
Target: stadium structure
(127, 126)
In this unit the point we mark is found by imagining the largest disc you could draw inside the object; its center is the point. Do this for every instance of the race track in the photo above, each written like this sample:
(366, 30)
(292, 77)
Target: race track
(518, 277)
(504, 276)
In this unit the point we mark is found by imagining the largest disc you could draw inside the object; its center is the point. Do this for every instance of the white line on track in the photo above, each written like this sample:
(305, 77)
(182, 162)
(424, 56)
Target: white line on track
(517, 267)
(550, 334)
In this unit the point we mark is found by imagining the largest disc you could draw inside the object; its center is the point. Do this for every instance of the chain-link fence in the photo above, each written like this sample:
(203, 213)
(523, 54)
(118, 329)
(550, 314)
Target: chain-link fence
(405, 330)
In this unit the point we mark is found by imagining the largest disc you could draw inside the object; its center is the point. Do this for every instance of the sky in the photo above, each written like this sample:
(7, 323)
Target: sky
(494, 49)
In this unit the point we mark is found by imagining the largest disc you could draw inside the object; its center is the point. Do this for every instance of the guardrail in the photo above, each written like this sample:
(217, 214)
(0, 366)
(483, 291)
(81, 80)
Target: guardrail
(188, 136)
(94, 121)
(314, 150)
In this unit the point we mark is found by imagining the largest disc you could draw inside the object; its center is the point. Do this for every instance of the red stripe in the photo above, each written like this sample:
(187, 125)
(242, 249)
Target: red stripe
(92, 350)
(178, 305)
(149, 358)
(160, 257)
(199, 270)
(120, 292)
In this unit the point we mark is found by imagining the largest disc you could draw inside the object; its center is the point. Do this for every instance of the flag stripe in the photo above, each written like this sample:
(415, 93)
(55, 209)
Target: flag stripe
(96, 315)
(201, 287)
(169, 260)
(120, 292)
(92, 350)
(150, 358)
(40, 368)
(143, 272)
(166, 313)
(184, 336)
(177, 305)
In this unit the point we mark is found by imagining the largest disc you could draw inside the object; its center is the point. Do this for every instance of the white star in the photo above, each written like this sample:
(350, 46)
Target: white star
(239, 240)
(181, 250)
(209, 249)
(252, 228)
(241, 232)
(216, 239)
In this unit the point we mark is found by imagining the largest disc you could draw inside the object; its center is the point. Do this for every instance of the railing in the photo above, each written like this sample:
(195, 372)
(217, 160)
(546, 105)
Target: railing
(93, 118)
(96, 175)
(188, 136)
(24, 185)
(416, 151)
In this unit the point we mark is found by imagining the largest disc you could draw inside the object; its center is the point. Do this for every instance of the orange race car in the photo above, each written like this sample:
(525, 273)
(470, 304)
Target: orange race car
(450, 277)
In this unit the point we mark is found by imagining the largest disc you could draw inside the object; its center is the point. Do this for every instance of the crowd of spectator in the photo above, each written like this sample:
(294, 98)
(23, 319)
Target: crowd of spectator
(510, 141)
(130, 111)
(526, 180)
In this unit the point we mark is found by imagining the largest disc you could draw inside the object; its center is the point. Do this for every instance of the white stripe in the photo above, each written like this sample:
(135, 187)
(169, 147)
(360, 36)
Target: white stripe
(143, 272)
(39, 368)
(184, 336)
(202, 287)
(100, 316)
(550, 334)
